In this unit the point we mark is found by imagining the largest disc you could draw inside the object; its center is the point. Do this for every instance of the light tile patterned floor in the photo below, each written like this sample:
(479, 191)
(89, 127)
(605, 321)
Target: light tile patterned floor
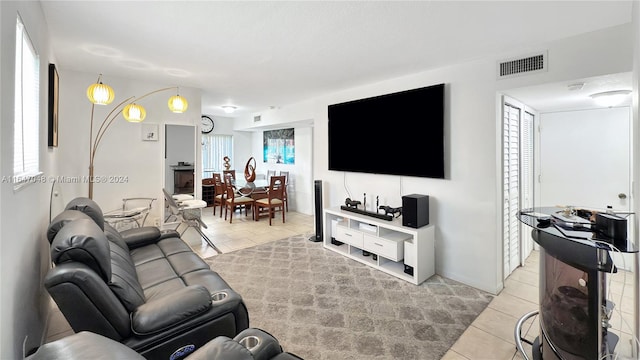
(490, 336)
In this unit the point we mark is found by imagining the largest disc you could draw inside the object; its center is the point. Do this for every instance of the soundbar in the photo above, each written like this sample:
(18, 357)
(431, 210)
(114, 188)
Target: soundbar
(367, 213)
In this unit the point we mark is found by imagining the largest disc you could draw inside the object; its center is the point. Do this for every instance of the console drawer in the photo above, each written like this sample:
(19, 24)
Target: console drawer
(349, 236)
(390, 249)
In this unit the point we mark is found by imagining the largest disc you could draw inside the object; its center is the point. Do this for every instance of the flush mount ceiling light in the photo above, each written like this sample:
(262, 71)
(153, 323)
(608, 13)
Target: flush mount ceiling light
(228, 108)
(575, 86)
(610, 98)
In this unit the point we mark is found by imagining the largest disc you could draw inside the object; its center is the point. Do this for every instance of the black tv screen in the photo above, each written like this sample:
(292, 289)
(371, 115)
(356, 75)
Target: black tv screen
(397, 134)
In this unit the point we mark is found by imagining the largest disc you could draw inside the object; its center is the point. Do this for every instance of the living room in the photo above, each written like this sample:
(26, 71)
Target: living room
(466, 204)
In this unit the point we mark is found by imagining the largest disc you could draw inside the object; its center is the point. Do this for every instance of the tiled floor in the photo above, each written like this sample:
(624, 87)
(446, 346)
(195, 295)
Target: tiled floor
(490, 336)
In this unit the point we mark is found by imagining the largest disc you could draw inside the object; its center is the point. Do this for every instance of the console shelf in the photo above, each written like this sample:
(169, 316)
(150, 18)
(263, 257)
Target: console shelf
(401, 251)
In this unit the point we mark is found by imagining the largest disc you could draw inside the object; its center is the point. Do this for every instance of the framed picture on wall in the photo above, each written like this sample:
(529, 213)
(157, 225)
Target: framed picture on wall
(53, 106)
(278, 146)
(150, 132)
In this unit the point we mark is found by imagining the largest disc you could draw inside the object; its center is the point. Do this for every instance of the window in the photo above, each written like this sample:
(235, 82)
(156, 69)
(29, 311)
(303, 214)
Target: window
(27, 109)
(214, 149)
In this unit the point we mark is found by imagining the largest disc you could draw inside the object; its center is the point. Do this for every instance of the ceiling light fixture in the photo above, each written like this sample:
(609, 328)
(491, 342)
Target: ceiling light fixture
(228, 108)
(575, 86)
(610, 98)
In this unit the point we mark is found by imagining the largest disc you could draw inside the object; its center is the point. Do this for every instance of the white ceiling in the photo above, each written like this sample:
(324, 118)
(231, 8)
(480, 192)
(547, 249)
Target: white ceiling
(255, 55)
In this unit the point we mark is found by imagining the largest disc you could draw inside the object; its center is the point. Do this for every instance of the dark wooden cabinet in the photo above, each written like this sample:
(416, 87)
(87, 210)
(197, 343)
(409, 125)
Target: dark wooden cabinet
(208, 190)
(183, 179)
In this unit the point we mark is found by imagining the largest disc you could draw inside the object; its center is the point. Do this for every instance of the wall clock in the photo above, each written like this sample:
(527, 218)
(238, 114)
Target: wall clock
(207, 124)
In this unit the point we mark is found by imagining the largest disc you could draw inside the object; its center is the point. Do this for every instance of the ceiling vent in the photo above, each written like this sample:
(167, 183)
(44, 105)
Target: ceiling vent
(257, 118)
(522, 65)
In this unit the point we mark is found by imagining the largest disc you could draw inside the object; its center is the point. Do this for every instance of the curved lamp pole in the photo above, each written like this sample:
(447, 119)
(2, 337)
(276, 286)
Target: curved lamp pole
(101, 94)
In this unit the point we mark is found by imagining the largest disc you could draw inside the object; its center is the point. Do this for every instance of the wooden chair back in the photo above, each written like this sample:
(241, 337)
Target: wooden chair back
(230, 202)
(229, 172)
(219, 193)
(276, 188)
(286, 184)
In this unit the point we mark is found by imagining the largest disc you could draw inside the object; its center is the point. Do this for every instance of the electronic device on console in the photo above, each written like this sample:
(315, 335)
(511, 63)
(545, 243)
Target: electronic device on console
(352, 203)
(388, 210)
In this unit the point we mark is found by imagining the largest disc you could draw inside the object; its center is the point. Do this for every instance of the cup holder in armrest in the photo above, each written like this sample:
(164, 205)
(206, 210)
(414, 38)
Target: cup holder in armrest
(250, 342)
(218, 296)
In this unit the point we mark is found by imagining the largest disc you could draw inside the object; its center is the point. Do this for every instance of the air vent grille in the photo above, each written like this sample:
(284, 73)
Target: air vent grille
(525, 65)
(257, 118)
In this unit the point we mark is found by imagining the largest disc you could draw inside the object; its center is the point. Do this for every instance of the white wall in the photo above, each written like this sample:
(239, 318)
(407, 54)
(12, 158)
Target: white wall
(466, 206)
(636, 155)
(24, 250)
(122, 150)
(300, 186)
(593, 145)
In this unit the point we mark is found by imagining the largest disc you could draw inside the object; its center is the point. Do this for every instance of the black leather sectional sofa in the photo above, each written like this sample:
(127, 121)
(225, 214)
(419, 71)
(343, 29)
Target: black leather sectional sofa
(250, 344)
(143, 287)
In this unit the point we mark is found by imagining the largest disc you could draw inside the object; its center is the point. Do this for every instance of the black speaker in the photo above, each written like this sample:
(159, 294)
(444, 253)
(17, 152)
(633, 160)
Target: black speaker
(317, 189)
(415, 210)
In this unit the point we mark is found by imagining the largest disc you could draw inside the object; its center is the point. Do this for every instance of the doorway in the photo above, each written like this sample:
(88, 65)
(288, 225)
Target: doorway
(574, 139)
(180, 160)
(517, 177)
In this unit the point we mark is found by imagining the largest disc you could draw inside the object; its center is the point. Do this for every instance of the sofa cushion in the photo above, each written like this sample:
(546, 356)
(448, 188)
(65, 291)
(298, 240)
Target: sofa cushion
(88, 207)
(124, 279)
(85, 345)
(83, 241)
(222, 348)
(114, 236)
(61, 220)
(166, 312)
(166, 266)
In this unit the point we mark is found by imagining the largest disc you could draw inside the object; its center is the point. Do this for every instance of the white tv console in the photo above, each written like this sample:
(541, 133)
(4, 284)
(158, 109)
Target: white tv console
(394, 245)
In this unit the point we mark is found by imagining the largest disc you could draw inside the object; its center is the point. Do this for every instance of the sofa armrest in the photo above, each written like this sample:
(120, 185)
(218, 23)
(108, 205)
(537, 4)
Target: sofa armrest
(170, 310)
(138, 237)
(85, 345)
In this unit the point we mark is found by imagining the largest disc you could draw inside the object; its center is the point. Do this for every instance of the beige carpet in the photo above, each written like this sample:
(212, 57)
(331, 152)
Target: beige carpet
(321, 305)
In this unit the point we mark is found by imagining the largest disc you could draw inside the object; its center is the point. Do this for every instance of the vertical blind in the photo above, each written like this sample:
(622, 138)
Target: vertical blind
(27, 106)
(214, 149)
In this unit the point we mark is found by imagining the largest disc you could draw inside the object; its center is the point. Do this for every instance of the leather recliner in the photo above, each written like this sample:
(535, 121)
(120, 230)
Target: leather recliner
(142, 287)
(250, 344)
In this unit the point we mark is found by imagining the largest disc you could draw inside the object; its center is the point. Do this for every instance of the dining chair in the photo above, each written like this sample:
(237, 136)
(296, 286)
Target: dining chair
(220, 193)
(273, 201)
(270, 173)
(286, 185)
(233, 201)
(188, 212)
(227, 172)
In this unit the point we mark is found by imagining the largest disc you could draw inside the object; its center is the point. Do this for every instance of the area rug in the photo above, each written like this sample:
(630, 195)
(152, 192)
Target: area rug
(322, 305)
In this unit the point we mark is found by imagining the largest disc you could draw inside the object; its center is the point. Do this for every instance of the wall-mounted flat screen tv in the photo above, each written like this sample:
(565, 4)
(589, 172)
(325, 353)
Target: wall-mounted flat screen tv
(397, 134)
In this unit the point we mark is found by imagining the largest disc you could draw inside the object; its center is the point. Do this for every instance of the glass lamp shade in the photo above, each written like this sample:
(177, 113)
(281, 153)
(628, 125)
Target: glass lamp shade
(134, 113)
(100, 94)
(178, 104)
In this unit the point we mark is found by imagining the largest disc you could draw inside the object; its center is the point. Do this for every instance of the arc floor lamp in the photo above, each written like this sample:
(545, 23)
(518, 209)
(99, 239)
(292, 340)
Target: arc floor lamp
(102, 94)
